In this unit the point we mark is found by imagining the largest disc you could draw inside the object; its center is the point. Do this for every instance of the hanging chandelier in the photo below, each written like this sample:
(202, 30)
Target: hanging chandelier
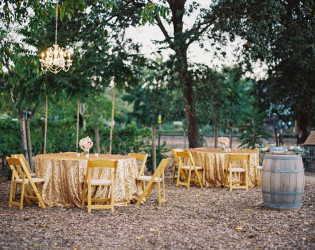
(56, 58)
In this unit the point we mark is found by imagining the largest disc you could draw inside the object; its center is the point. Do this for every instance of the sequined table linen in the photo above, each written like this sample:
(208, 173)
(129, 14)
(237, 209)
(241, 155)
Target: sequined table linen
(64, 175)
(214, 161)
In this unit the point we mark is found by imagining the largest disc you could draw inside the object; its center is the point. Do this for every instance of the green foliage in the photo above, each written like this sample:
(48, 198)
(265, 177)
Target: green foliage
(221, 96)
(160, 154)
(252, 134)
(10, 141)
(282, 34)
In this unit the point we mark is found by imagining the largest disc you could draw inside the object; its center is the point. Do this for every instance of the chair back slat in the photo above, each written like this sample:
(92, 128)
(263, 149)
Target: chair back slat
(140, 157)
(233, 157)
(102, 163)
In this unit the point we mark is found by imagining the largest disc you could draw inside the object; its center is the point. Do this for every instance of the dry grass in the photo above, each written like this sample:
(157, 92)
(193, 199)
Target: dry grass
(190, 219)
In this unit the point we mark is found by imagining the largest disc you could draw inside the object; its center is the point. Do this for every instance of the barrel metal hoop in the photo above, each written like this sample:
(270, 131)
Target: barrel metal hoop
(283, 206)
(282, 193)
(284, 171)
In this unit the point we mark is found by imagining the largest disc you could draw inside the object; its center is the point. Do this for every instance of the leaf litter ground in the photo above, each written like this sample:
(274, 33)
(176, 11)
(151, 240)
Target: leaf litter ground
(208, 218)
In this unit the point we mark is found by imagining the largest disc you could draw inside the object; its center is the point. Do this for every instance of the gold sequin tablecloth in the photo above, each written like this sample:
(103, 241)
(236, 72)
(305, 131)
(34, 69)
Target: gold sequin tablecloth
(214, 161)
(64, 177)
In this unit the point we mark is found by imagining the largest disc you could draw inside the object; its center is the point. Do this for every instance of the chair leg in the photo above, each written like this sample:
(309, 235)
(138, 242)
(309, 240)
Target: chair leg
(174, 170)
(163, 189)
(178, 176)
(231, 182)
(11, 191)
(199, 180)
(22, 195)
(189, 175)
(159, 192)
(112, 198)
(89, 197)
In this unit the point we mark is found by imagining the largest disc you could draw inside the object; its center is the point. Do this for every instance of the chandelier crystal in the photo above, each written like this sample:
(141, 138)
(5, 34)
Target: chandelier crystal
(56, 58)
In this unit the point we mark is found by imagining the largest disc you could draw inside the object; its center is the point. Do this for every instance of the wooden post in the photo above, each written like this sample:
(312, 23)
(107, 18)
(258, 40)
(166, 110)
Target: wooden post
(29, 144)
(276, 137)
(215, 137)
(78, 117)
(231, 138)
(153, 148)
(112, 123)
(97, 139)
(45, 129)
(184, 140)
(159, 141)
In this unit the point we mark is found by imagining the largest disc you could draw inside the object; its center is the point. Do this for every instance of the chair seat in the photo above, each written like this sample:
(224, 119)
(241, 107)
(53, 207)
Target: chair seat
(259, 167)
(36, 180)
(148, 178)
(238, 169)
(100, 182)
(32, 175)
(188, 167)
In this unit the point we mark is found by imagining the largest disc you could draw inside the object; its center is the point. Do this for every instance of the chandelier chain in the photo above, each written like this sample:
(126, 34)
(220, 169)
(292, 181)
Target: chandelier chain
(56, 22)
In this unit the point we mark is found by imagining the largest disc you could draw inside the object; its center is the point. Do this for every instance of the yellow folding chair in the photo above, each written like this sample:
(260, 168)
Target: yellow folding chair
(22, 177)
(157, 177)
(22, 157)
(89, 182)
(176, 162)
(187, 164)
(240, 169)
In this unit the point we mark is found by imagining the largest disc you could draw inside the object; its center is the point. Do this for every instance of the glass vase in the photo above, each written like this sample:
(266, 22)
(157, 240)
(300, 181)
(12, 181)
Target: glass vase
(86, 153)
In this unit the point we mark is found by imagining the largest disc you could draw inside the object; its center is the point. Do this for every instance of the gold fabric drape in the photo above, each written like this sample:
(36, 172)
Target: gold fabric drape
(214, 161)
(64, 175)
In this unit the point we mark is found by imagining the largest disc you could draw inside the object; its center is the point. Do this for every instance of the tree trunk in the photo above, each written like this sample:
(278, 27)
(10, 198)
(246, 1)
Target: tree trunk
(304, 127)
(215, 137)
(153, 148)
(23, 135)
(189, 98)
(29, 144)
(112, 123)
(78, 117)
(97, 139)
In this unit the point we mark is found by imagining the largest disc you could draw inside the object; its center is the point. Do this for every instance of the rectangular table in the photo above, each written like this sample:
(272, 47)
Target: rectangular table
(214, 162)
(64, 177)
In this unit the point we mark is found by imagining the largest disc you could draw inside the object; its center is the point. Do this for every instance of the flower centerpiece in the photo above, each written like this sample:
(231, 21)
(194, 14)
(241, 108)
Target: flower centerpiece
(85, 144)
(224, 142)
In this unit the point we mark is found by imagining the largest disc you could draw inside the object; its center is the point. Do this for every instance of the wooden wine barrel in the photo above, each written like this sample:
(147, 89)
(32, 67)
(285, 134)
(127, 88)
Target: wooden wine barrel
(282, 181)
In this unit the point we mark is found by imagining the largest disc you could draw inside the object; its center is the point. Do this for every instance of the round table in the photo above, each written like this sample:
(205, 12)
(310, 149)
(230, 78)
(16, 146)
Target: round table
(64, 177)
(214, 161)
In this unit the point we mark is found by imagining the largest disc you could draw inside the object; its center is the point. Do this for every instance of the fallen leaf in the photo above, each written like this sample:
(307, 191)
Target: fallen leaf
(305, 223)
(248, 209)
(154, 230)
(252, 236)
(213, 204)
(139, 237)
(239, 228)
(41, 225)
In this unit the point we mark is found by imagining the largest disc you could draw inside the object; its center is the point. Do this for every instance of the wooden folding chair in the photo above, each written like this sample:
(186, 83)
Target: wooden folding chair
(187, 159)
(22, 157)
(89, 182)
(157, 177)
(176, 162)
(22, 177)
(239, 170)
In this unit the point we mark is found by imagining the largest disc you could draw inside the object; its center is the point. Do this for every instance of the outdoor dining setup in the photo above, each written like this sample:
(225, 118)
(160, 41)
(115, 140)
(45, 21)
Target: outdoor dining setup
(69, 179)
